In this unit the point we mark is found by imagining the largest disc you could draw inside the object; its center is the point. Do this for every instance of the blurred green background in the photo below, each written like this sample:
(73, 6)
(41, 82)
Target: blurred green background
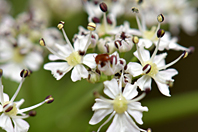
(71, 109)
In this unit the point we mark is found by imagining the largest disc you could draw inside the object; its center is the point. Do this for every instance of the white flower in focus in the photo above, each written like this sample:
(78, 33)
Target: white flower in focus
(19, 55)
(121, 106)
(153, 67)
(11, 116)
(73, 57)
(110, 64)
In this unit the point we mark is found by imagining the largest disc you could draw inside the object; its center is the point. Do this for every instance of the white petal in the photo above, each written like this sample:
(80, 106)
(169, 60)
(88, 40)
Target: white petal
(102, 104)
(79, 72)
(134, 68)
(135, 110)
(144, 82)
(53, 57)
(144, 53)
(55, 66)
(145, 42)
(19, 103)
(130, 91)
(111, 88)
(163, 88)
(99, 115)
(6, 123)
(64, 50)
(166, 74)
(159, 60)
(122, 124)
(89, 60)
(20, 125)
(33, 60)
(80, 43)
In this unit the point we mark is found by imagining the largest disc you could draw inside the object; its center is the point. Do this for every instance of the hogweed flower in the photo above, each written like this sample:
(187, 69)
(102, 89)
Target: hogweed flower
(74, 57)
(153, 67)
(10, 112)
(121, 106)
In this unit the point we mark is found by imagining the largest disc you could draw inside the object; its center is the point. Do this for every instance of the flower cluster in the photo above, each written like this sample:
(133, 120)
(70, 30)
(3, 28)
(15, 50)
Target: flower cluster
(124, 59)
(108, 65)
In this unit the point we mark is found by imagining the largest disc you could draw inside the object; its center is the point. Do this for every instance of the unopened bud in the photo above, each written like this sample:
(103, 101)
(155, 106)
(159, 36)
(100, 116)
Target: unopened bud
(60, 25)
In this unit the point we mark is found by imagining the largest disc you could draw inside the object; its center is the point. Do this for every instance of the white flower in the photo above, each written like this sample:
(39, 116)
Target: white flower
(153, 67)
(149, 37)
(122, 106)
(72, 57)
(19, 55)
(106, 45)
(10, 112)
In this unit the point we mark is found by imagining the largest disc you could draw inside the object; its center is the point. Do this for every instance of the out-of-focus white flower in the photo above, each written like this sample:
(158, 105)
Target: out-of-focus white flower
(4, 8)
(73, 57)
(178, 14)
(19, 55)
(121, 106)
(110, 64)
(149, 37)
(153, 67)
(11, 118)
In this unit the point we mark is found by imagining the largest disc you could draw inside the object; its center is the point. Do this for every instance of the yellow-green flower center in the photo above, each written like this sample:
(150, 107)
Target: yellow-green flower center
(74, 59)
(120, 104)
(9, 108)
(148, 34)
(17, 56)
(153, 68)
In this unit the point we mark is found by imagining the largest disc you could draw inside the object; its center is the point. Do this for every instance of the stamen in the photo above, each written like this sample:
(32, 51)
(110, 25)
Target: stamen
(31, 107)
(106, 121)
(160, 18)
(49, 99)
(32, 113)
(96, 20)
(139, 54)
(147, 68)
(135, 40)
(136, 11)
(91, 27)
(149, 130)
(24, 73)
(1, 87)
(19, 87)
(160, 34)
(60, 26)
(104, 9)
(183, 55)
(8, 107)
(42, 42)
(141, 96)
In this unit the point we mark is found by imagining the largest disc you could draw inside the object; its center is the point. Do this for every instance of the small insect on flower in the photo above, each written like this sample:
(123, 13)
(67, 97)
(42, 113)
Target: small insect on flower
(101, 58)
